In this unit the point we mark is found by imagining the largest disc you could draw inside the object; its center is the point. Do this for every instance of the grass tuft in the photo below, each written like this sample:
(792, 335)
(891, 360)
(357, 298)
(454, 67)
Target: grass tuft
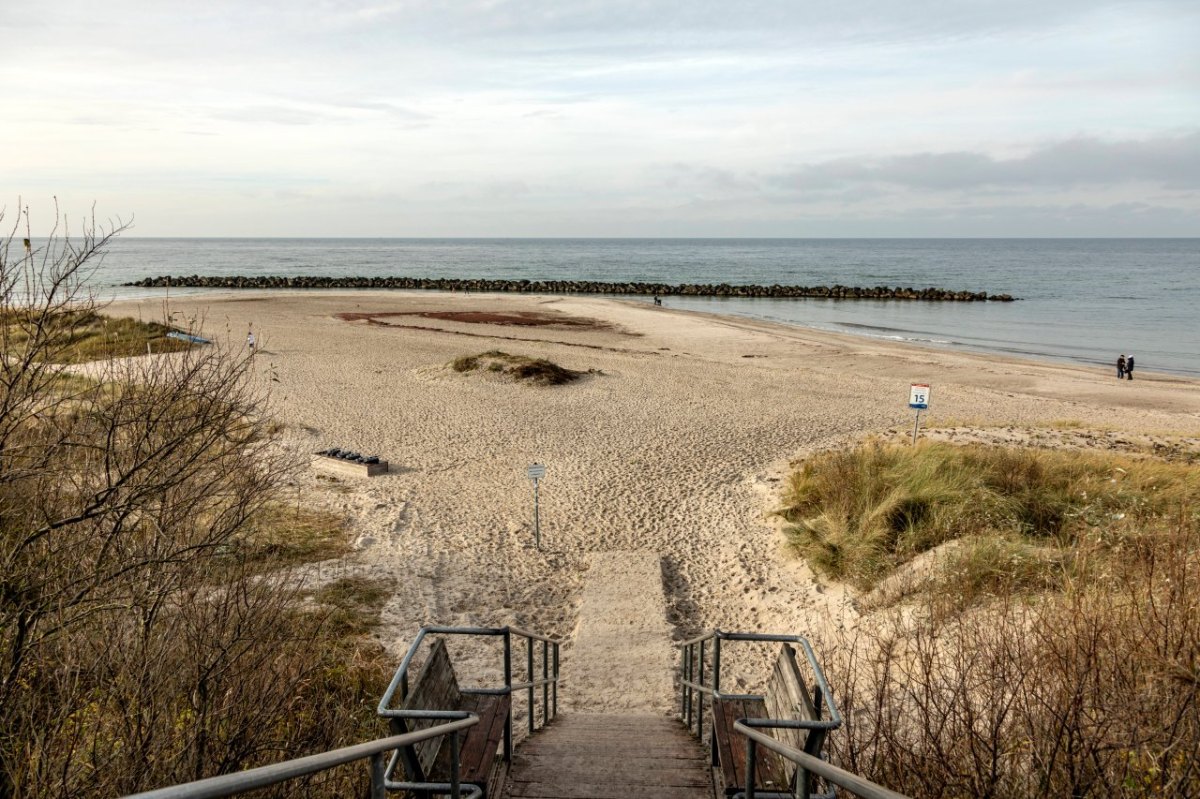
(281, 535)
(356, 603)
(538, 371)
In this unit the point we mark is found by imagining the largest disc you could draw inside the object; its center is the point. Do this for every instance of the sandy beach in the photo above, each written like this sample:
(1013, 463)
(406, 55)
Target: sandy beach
(671, 448)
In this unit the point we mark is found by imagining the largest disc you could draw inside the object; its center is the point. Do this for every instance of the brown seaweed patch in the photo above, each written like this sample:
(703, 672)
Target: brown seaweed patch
(506, 318)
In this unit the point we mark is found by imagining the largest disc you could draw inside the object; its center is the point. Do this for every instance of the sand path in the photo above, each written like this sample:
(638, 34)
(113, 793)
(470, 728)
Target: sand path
(621, 658)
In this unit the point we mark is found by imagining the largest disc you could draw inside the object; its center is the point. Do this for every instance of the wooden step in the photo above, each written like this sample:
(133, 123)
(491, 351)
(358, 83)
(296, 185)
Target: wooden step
(610, 757)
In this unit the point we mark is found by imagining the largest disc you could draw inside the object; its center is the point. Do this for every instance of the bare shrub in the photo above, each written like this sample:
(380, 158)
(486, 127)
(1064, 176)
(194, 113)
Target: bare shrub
(141, 642)
(1089, 692)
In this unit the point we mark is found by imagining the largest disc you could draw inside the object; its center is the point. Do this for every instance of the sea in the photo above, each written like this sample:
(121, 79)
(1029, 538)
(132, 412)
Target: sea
(1083, 301)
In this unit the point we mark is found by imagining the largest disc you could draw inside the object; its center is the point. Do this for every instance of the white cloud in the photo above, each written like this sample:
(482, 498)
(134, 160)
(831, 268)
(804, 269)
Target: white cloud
(598, 117)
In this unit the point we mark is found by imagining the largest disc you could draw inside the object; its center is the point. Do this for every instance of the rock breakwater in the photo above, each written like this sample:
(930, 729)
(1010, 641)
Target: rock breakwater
(569, 287)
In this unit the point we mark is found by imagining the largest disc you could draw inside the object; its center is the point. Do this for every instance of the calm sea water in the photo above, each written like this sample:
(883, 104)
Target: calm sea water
(1083, 300)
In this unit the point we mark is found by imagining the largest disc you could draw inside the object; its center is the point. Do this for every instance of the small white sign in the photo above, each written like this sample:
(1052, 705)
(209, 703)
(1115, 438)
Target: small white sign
(536, 472)
(918, 397)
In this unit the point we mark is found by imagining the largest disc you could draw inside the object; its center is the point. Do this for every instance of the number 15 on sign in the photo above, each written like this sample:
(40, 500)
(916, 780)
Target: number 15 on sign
(918, 398)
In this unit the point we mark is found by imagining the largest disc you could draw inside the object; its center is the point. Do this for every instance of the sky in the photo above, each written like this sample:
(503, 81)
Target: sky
(582, 118)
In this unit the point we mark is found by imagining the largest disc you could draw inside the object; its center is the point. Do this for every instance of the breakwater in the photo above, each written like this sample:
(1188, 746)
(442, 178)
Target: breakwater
(774, 291)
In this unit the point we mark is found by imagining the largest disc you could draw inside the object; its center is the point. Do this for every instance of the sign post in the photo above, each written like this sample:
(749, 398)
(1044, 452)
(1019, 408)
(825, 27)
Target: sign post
(918, 397)
(536, 472)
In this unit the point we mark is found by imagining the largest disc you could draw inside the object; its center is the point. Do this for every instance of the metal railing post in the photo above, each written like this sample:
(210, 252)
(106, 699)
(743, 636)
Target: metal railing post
(554, 692)
(378, 775)
(687, 650)
(700, 698)
(751, 753)
(545, 683)
(716, 667)
(529, 678)
(687, 689)
(455, 745)
(803, 786)
(508, 686)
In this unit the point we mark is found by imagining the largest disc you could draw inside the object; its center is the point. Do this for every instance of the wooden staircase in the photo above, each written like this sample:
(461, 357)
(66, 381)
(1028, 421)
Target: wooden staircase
(610, 757)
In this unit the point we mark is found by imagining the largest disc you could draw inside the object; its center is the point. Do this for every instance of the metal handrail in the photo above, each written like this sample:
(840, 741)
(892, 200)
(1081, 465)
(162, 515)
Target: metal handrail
(455, 721)
(857, 785)
(689, 686)
(548, 681)
(265, 776)
(693, 685)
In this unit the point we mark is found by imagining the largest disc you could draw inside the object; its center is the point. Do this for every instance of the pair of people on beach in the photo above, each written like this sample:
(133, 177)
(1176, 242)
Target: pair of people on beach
(1125, 367)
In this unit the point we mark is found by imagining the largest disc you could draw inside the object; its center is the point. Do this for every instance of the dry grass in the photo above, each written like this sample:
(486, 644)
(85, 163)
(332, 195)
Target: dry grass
(522, 368)
(85, 335)
(858, 514)
(1089, 690)
(355, 603)
(1056, 652)
(153, 626)
(282, 535)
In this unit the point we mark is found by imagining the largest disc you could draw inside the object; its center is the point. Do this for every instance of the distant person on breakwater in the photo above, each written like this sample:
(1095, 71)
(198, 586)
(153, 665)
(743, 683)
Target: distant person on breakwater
(1121, 367)
(1129, 368)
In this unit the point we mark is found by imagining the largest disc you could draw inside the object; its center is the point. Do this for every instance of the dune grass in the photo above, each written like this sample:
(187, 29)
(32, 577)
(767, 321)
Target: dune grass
(89, 336)
(858, 514)
(1052, 649)
(355, 603)
(282, 535)
(538, 371)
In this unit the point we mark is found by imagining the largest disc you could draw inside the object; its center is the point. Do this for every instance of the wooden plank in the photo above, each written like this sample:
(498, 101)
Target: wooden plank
(436, 688)
(788, 698)
(550, 748)
(722, 730)
(540, 790)
(731, 748)
(609, 757)
(482, 740)
(657, 742)
(580, 763)
(589, 773)
(599, 721)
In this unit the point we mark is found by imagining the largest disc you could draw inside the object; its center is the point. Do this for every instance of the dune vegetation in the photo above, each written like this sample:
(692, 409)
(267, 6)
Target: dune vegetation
(83, 334)
(1054, 647)
(1019, 516)
(521, 368)
(154, 626)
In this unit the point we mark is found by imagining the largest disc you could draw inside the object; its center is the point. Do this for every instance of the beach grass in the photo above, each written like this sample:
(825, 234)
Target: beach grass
(85, 335)
(355, 603)
(282, 535)
(521, 368)
(1050, 650)
(1018, 513)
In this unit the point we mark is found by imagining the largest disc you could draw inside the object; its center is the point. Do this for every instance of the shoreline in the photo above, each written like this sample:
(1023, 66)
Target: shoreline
(194, 295)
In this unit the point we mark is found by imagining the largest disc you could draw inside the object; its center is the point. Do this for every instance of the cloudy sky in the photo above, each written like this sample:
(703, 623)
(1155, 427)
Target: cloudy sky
(606, 117)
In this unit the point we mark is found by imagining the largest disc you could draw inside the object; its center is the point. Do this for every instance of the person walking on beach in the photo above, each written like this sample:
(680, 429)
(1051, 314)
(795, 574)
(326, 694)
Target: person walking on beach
(1129, 368)
(250, 341)
(1121, 367)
